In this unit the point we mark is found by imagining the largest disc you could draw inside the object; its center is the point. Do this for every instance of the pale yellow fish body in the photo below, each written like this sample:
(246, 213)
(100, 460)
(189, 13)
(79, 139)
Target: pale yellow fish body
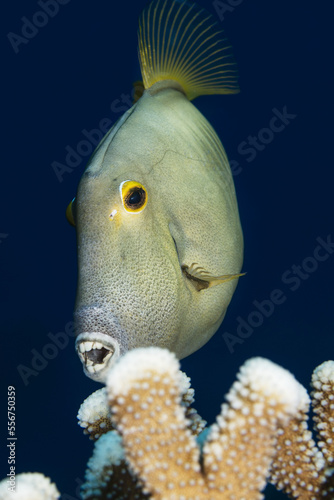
(140, 271)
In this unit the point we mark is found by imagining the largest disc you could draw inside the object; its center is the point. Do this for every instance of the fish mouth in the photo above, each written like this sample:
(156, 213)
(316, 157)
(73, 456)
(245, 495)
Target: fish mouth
(97, 352)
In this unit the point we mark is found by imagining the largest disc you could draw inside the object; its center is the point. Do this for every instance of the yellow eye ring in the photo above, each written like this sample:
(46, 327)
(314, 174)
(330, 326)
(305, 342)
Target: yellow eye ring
(134, 196)
(70, 214)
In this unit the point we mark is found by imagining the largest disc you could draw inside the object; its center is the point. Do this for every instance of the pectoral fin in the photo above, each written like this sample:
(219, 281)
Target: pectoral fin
(203, 279)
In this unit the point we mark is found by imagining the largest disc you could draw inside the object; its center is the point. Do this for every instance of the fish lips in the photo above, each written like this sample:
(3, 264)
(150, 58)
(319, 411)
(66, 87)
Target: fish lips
(97, 352)
(100, 340)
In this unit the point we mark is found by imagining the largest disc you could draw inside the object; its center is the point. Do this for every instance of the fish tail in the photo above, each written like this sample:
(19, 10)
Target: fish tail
(180, 41)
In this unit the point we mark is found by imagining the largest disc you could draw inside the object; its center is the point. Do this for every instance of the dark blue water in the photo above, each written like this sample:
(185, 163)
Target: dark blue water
(75, 73)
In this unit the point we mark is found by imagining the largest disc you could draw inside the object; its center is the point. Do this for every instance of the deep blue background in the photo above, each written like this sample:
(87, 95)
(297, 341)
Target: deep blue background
(66, 79)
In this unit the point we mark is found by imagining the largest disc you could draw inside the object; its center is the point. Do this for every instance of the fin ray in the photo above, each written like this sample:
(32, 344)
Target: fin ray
(174, 52)
(178, 54)
(180, 41)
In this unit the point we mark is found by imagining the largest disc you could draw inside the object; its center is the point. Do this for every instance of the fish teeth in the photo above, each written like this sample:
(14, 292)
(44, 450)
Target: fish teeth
(95, 368)
(90, 366)
(88, 346)
(107, 357)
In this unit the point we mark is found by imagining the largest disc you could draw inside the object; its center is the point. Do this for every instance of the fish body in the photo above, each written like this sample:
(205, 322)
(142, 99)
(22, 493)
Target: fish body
(159, 239)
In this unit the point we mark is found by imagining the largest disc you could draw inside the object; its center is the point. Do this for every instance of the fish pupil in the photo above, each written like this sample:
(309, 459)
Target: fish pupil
(136, 198)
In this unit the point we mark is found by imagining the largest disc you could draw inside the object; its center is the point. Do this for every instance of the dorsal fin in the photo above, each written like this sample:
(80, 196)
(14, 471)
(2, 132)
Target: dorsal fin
(182, 42)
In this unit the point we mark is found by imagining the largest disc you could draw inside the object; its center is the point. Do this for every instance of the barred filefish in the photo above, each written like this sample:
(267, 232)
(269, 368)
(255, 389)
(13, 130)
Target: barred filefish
(160, 245)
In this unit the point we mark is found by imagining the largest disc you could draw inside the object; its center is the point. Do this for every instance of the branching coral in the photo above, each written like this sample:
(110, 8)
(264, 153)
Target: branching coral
(300, 468)
(146, 446)
(262, 425)
(323, 407)
(108, 475)
(95, 417)
(29, 486)
(144, 396)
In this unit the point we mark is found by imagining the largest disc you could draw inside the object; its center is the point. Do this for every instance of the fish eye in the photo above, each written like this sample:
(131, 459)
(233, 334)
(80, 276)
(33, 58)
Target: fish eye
(70, 212)
(134, 196)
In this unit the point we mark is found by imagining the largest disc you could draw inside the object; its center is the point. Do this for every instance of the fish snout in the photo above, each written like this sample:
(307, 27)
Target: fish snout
(97, 352)
(100, 340)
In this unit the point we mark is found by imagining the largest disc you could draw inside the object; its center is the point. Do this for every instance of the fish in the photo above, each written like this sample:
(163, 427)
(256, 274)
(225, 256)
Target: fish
(159, 238)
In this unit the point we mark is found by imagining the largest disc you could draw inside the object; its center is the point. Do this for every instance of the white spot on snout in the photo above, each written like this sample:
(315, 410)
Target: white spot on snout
(112, 215)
